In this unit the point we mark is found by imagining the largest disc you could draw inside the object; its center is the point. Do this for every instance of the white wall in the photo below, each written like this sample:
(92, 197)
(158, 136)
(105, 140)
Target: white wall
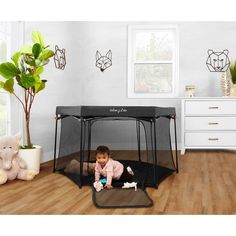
(81, 83)
(195, 40)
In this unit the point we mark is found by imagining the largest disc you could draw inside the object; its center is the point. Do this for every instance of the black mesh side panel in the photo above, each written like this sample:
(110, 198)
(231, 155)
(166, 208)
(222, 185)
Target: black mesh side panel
(70, 137)
(111, 133)
(149, 138)
(163, 143)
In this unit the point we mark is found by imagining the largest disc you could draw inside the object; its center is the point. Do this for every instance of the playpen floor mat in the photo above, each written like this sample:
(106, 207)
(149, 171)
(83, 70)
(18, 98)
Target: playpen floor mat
(121, 198)
(143, 174)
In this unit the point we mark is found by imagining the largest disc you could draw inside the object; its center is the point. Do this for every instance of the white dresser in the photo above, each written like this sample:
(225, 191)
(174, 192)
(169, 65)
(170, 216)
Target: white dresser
(208, 123)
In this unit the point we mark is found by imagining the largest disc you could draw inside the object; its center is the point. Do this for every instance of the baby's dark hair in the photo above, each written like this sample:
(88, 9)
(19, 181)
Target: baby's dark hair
(102, 149)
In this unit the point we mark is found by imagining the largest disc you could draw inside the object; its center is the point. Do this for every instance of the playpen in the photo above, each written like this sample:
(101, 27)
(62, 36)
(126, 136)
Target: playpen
(153, 157)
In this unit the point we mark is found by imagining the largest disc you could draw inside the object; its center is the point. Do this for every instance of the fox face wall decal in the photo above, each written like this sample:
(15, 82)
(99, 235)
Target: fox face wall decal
(103, 62)
(59, 58)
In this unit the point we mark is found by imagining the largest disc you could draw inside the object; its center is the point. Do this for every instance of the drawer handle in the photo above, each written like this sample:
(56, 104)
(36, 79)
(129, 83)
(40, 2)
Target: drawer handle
(213, 108)
(213, 123)
(213, 139)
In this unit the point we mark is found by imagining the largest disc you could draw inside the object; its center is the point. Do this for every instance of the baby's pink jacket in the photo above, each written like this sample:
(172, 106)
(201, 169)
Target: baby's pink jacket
(112, 170)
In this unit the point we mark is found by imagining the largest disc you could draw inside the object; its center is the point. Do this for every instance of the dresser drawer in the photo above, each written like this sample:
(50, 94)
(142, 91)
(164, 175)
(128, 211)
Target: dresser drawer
(213, 107)
(210, 123)
(210, 139)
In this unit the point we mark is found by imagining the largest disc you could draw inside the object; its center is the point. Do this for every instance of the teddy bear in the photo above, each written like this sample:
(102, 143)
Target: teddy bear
(11, 165)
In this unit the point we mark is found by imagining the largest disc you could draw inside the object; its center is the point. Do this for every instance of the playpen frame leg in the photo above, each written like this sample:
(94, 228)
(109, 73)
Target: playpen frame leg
(154, 148)
(82, 140)
(89, 139)
(138, 138)
(55, 148)
(176, 148)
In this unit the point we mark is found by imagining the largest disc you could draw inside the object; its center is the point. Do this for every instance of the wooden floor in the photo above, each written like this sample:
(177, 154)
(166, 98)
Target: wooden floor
(206, 184)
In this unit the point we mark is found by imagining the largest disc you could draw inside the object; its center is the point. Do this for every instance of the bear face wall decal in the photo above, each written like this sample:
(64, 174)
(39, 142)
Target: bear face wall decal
(103, 62)
(218, 61)
(60, 58)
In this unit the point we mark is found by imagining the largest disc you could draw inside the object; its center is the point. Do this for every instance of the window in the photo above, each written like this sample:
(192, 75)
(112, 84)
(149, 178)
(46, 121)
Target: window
(4, 96)
(152, 61)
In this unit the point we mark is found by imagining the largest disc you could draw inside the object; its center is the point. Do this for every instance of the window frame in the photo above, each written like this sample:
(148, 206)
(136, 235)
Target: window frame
(132, 29)
(8, 111)
(7, 34)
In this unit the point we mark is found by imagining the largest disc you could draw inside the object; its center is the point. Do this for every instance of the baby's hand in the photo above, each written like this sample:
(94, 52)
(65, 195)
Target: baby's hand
(108, 186)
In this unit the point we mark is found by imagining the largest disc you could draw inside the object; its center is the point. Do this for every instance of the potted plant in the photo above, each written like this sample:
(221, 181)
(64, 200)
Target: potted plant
(25, 71)
(232, 70)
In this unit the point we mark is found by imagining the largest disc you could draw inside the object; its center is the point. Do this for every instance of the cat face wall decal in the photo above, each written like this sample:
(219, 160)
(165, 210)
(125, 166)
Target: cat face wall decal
(218, 61)
(60, 58)
(103, 62)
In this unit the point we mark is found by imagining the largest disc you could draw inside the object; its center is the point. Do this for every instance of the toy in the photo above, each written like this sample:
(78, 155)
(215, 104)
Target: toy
(74, 167)
(130, 185)
(98, 186)
(103, 181)
(11, 165)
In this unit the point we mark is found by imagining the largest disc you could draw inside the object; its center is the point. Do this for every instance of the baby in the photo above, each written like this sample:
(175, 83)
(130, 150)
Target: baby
(109, 168)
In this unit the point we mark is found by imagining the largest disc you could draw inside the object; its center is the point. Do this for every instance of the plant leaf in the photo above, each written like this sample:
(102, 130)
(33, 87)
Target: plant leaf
(37, 83)
(8, 85)
(39, 86)
(37, 37)
(15, 58)
(39, 70)
(31, 146)
(43, 63)
(37, 62)
(27, 81)
(29, 59)
(32, 63)
(232, 70)
(46, 54)
(18, 79)
(8, 70)
(36, 50)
